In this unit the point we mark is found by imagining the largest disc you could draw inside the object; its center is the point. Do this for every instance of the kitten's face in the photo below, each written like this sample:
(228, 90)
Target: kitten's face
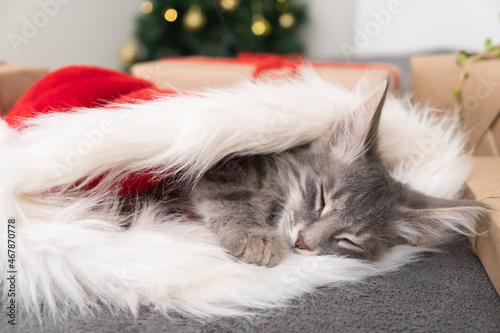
(341, 200)
(349, 210)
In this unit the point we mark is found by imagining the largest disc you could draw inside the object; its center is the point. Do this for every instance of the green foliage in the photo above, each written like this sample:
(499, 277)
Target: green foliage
(462, 59)
(489, 45)
(457, 94)
(224, 33)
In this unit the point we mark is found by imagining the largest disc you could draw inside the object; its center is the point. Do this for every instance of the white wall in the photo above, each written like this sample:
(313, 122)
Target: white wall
(424, 25)
(69, 32)
(330, 23)
(351, 29)
(91, 31)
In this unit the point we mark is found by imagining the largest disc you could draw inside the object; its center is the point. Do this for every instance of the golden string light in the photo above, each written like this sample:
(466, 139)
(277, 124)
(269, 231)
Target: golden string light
(286, 20)
(194, 19)
(129, 53)
(260, 26)
(146, 7)
(228, 5)
(170, 15)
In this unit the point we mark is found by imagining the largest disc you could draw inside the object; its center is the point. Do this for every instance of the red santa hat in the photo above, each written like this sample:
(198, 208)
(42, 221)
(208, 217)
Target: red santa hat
(82, 86)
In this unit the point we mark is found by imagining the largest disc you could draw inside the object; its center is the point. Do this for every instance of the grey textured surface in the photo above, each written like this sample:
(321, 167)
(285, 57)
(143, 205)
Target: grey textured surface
(442, 292)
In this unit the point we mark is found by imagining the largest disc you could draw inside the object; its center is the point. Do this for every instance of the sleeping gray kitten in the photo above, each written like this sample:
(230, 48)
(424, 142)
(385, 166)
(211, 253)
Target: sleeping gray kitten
(333, 196)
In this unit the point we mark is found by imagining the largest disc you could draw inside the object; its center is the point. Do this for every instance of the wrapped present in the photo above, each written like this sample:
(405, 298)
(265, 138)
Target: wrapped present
(484, 186)
(14, 81)
(434, 80)
(191, 73)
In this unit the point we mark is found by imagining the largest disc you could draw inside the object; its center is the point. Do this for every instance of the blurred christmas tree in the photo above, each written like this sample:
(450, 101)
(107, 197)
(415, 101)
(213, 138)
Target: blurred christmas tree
(216, 28)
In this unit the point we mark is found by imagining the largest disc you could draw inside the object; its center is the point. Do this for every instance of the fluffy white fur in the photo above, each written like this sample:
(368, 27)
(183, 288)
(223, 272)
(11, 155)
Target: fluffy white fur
(74, 260)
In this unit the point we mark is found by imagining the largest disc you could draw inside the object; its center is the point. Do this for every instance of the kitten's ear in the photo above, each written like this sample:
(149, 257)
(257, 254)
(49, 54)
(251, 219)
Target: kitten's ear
(357, 131)
(432, 223)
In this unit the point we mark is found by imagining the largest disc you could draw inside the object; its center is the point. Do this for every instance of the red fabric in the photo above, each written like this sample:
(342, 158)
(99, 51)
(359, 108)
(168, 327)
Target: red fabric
(70, 87)
(82, 86)
(266, 61)
(261, 62)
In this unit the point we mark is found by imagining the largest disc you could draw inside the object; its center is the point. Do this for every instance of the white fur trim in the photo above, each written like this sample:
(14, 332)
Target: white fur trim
(6, 132)
(72, 258)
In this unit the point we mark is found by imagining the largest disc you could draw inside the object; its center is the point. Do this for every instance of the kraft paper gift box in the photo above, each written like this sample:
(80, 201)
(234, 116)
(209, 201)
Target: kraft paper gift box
(433, 79)
(191, 73)
(15, 80)
(484, 185)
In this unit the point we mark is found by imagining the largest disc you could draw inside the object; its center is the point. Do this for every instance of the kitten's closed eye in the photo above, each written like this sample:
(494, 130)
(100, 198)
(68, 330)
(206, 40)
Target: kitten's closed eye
(347, 241)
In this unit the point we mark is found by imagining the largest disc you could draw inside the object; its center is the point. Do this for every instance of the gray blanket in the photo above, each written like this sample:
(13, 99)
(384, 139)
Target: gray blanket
(442, 292)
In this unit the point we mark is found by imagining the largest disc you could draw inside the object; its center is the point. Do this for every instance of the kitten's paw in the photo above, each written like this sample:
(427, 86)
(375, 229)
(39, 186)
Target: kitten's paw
(259, 248)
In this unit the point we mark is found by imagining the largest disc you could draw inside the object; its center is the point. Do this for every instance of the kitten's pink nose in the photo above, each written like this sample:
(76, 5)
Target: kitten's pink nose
(301, 244)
